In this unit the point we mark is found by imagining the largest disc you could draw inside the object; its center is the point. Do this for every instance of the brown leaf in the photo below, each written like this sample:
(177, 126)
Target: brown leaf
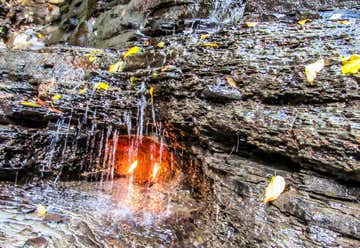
(231, 82)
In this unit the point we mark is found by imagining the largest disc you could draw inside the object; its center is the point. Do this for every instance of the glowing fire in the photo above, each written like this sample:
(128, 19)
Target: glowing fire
(132, 167)
(145, 161)
(155, 170)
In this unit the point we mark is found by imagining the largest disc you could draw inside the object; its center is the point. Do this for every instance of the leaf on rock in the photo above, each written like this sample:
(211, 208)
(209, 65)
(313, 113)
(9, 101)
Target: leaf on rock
(151, 92)
(160, 45)
(204, 36)
(133, 80)
(274, 189)
(303, 22)
(41, 210)
(132, 51)
(92, 59)
(56, 97)
(351, 64)
(251, 24)
(117, 67)
(311, 70)
(230, 81)
(30, 104)
(213, 45)
(101, 86)
(83, 91)
(154, 75)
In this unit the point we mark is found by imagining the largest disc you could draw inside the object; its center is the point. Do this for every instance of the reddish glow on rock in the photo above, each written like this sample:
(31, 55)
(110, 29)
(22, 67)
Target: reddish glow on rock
(145, 160)
(132, 167)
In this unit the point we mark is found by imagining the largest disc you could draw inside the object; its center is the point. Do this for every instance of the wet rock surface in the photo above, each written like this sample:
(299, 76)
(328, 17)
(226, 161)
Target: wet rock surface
(267, 120)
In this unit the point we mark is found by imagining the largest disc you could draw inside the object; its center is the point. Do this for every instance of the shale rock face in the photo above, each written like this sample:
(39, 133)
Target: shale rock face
(112, 24)
(268, 121)
(287, 7)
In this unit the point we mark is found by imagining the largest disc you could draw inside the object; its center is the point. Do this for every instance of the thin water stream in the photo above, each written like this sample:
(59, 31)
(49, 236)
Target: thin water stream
(131, 190)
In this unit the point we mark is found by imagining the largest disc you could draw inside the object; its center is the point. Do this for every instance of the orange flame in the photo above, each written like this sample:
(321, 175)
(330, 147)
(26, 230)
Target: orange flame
(155, 170)
(132, 167)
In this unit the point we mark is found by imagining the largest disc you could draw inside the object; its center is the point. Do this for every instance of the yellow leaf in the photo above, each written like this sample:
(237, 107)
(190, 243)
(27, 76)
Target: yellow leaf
(56, 97)
(133, 80)
(160, 44)
(311, 70)
(344, 22)
(83, 91)
(351, 64)
(41, 210)
(231, 82)
(303, 22)
(92, 58)
(251, 24)
(165, 68)
(151, 92)
(154, 75)
(132, 51)
(213, 45)
(30, 104)
(40, 36)
(204, 36)
(117, 67)
(274, 189)
(101, 86)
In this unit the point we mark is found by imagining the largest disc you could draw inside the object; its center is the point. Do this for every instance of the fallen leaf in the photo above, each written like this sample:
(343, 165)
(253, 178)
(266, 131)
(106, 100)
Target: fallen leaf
(168, 68)
(204, 36)
(151, 92)
(132, 51)
(30, 104)
(117, 67)
(133, 80)
(40, 36)
(101, 86)
(56, 97)
(251, 24)
(274, 189)
(83, 91)
(351, 64)
(92, 59)
(41, 210)
(154, 75)
(231, 82)
(344, 22)
(213, 45)
(160, 44)
(311, 70)
(303, 22)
